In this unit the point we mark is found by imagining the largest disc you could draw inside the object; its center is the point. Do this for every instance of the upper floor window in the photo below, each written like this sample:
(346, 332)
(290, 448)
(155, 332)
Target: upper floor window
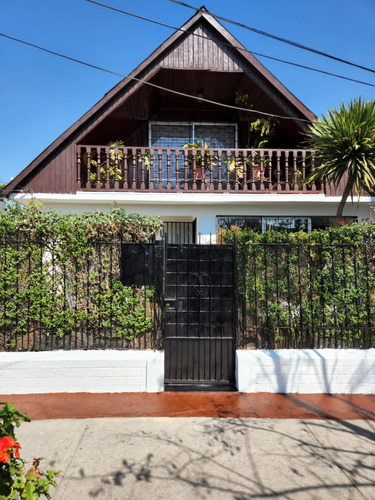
(176, 135)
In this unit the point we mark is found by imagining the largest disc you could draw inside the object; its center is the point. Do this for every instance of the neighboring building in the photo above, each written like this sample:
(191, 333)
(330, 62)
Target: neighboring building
(151, 172)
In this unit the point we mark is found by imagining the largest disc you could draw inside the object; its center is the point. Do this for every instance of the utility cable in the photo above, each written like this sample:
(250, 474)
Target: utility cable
(230, 45)
(176, 92)
(280, 39)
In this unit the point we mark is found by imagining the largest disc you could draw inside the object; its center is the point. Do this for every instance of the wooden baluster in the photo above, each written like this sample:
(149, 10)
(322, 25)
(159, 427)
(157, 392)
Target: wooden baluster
(134, 170)
(88, 168)
(126, 166)
(295, 171)
(278, 171)
(287, 185)
(236, 186)
(177, 163)
(245, 155)
(313, 185)
(160, 169)
(219, 183)
(186, 169)
(269, 155)
(143, 184)
(79, 187)
(228, 158)
(98, 159)
(151, 171)
(253, 183)
(107, 165)
(210, 185)
(168, 170)
(261, 154)
(194, 170)
(304, 170)
(116, 183)
(203, 169)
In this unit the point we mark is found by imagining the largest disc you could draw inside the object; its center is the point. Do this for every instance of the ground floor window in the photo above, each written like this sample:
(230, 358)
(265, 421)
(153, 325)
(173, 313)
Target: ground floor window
(180, 232)
(284, 223)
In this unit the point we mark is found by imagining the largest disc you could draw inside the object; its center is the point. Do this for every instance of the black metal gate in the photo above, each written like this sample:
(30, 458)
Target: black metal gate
(200, 317)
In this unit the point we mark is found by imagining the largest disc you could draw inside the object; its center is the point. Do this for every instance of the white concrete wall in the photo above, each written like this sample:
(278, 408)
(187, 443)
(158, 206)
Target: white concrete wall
(81, 371)
(306, 371)
(293, 371)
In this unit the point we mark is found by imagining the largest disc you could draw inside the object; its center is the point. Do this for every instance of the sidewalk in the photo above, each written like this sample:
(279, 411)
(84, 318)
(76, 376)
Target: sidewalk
(228, 446)
(205, 458)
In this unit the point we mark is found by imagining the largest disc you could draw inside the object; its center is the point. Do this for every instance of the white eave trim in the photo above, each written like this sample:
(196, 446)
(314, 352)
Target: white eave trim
(183, 198)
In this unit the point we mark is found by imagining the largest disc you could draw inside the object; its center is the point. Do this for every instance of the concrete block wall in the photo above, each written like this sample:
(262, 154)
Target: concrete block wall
(293, 371)
(327, 371)
(81, 371)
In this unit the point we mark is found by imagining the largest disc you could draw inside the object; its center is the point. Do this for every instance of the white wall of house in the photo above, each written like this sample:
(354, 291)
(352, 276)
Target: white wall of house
(204, 207)
(285, 371)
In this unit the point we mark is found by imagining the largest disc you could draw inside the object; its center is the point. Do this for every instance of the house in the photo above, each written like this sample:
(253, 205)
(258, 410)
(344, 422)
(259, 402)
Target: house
(129, 147)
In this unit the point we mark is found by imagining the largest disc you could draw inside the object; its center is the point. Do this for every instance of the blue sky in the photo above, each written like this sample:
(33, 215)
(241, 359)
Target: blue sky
(41, 95)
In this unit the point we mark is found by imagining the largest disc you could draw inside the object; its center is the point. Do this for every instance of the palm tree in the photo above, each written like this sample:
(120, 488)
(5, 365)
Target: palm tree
(344, 141)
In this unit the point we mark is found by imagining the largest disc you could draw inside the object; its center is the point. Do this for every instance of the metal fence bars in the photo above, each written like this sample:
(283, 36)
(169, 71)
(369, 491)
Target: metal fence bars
(292, 293)
(306, 295)
(52, 297)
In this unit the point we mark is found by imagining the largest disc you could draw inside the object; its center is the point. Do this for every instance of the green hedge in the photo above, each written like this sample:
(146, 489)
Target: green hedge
(59, 277)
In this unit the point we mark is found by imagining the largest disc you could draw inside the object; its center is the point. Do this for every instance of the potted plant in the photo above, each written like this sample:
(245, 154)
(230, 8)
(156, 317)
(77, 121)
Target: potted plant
(199, 161)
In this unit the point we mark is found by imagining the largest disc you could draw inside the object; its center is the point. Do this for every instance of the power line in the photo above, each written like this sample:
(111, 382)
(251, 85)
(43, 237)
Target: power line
(230, 45)
(176, 92)
(284, 40)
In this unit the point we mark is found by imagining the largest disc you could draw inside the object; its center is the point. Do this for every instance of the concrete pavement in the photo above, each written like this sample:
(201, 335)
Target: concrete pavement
(205, 458)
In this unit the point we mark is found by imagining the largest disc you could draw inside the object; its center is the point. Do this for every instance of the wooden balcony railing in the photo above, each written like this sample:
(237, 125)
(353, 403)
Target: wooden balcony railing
(126, 168)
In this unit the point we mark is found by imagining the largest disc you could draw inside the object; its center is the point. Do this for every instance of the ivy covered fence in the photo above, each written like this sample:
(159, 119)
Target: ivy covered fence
(299, 290)
(60, 282)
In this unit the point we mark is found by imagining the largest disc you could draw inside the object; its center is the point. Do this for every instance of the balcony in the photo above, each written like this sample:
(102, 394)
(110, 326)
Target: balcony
(123, 168)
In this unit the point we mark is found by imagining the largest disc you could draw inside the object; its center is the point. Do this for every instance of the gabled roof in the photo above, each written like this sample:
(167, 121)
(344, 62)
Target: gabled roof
(144, 72)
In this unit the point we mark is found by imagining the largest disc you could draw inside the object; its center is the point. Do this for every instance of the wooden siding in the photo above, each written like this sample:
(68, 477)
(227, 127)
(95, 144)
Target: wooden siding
(55, 170)
(55, 176)
(195, 52)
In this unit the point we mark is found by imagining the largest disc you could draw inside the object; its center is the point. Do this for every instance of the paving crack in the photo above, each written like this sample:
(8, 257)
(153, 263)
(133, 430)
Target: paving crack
(333, 460)
(60, 479)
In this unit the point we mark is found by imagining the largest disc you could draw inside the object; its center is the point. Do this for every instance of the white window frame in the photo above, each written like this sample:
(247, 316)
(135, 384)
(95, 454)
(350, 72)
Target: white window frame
(193, 124)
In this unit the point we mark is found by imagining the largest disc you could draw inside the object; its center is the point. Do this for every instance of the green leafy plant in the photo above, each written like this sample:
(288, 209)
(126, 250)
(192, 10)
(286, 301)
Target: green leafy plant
(344, 141)
(202, 156)
(60, 278)
(307, 290)
(146, 157)
(259, 133)
(17, 479)
(115, 172)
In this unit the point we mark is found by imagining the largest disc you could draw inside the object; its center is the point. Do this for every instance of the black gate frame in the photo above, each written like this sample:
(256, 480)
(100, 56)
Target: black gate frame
(200, 354)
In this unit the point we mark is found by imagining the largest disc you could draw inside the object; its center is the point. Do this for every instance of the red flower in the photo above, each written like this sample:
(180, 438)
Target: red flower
(341, 222)
(4, 457)
(6, 443)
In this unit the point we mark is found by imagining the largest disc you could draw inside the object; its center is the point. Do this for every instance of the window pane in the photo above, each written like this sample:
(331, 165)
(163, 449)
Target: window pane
(242, 222)
(170, 135)
(215, 136)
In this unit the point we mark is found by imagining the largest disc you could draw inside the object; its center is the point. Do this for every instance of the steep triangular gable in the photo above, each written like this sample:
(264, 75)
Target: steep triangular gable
(214, 49)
